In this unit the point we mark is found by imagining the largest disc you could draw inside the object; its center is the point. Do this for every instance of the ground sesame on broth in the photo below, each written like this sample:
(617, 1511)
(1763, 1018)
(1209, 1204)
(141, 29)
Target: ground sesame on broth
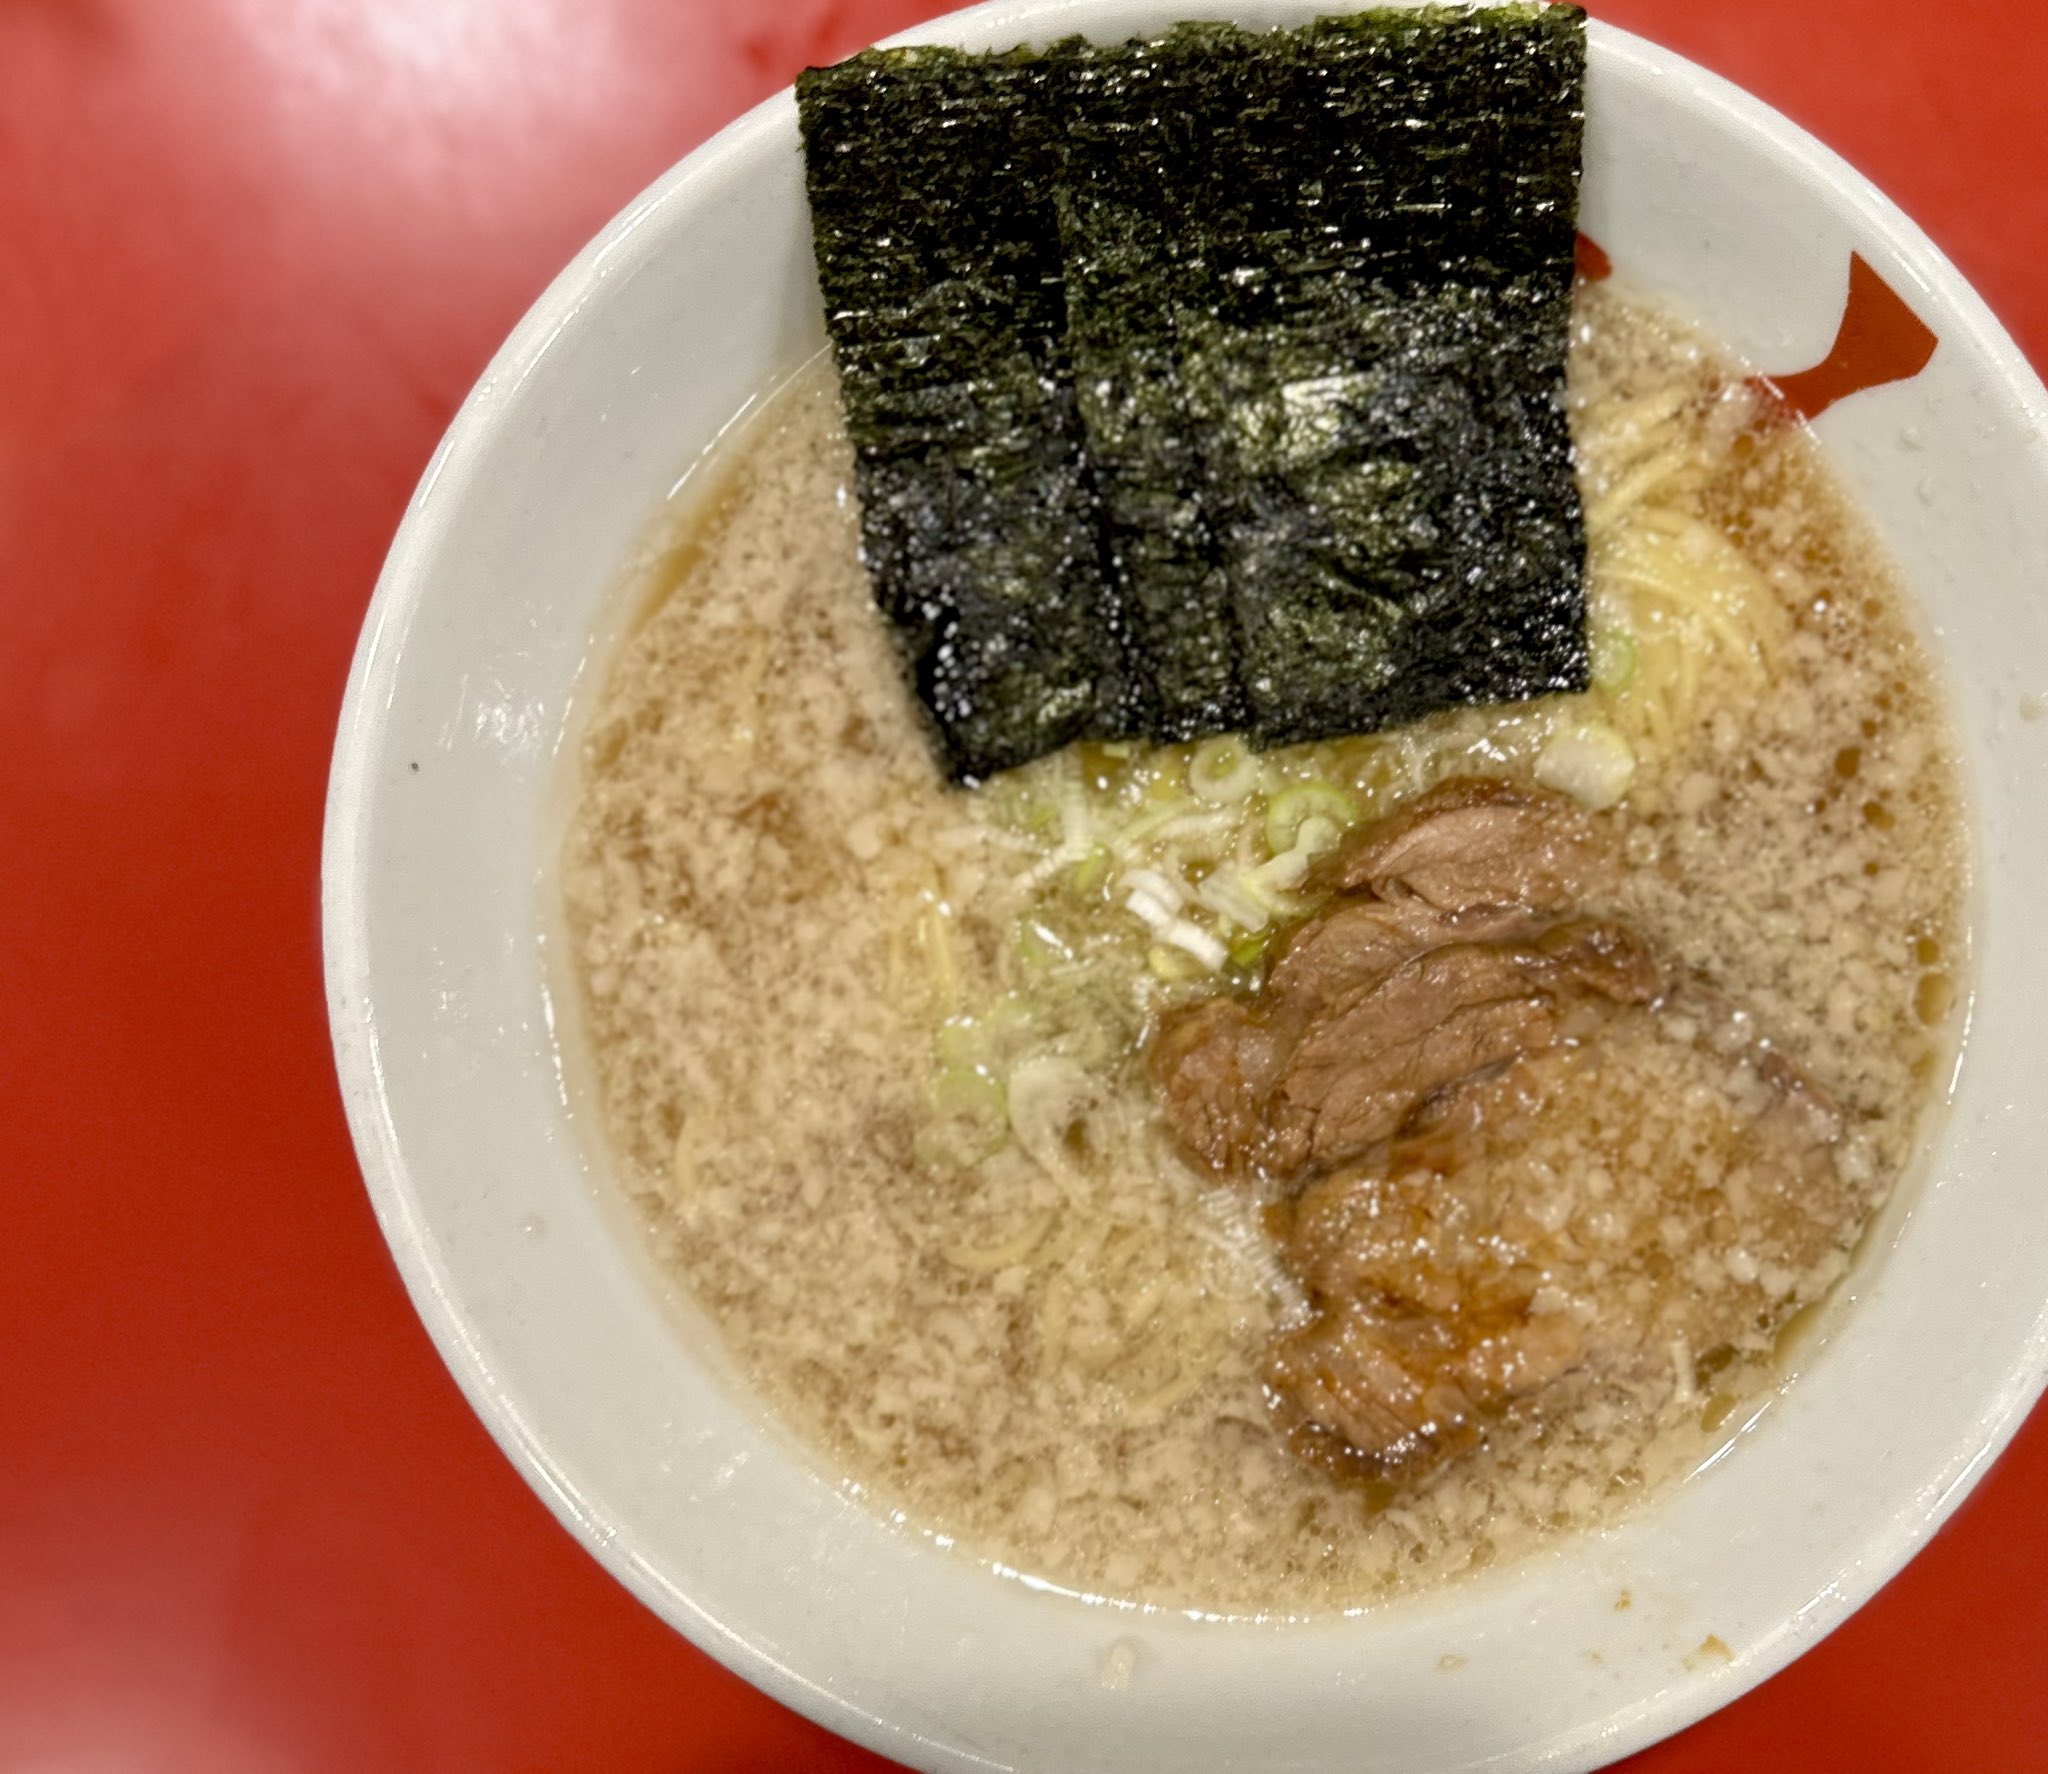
(870, 1048)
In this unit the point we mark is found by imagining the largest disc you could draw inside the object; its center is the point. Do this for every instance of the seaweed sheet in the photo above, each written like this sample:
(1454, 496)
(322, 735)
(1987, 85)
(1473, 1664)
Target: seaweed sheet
(930, 175)
(1389, 513)
(1318, 286)
(1212, 381)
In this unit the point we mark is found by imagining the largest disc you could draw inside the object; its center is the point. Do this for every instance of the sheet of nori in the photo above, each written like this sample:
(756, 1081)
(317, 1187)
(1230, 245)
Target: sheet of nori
(1389, 510)
(930, 174)
(1318, 288)
(1147, 182)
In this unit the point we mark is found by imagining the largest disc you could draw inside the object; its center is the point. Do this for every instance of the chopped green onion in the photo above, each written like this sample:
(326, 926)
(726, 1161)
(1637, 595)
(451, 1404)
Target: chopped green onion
(1614, 658)
(1591, 762)
(1294, 807)
(1171, 965)
(1269, 882)
(1077, 829)
(1091, 871)
(957, 1043)
(1050, 1097)
(1288, 869)
(967, 1093)
(1222, 770)
(1153, 892)
(970, 1117)
(1316, 836)
(1224, 892)
(1148, 825)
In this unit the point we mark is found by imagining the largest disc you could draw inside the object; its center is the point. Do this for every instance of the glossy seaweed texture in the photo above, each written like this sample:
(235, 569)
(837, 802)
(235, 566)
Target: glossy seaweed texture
(1212, 381)
(930, 175)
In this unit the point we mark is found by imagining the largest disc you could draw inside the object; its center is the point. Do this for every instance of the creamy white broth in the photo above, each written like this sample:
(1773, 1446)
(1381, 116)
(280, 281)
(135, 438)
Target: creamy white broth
(870, 1048)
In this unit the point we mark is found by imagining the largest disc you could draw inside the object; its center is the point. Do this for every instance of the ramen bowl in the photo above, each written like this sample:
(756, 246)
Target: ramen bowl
(611, 1393)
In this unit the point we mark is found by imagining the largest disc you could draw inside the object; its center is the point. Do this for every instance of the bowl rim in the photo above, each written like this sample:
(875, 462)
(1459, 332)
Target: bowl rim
(345, 863)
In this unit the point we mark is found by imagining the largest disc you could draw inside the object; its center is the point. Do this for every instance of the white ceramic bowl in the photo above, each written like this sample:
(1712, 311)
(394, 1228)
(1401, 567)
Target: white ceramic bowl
(616, 1403)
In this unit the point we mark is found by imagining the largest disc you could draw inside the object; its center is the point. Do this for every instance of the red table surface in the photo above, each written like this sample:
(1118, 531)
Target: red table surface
(252, 254)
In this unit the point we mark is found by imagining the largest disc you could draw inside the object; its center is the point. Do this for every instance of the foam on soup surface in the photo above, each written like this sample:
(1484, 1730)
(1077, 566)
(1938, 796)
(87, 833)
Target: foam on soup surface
(872, 1051)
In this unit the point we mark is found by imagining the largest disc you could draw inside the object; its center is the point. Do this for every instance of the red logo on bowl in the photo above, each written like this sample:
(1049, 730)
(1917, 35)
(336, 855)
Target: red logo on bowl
(1879, 340)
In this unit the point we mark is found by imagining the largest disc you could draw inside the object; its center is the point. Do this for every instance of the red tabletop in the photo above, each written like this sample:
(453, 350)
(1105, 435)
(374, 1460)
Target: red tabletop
(252, 253)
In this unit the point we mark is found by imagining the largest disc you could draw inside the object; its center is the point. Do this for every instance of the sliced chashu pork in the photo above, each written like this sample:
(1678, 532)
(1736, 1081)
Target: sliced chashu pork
(1446, 954)
(1512, 1241)
(1415, 1048)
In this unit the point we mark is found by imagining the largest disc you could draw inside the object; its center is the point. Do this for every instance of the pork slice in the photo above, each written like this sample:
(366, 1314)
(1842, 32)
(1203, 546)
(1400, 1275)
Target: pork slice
(1596, 955)
(1359, 1070)
(1215, 1064)
(1468, 1268)
(1362, 1066)
(1481, 851)
(1348, 947)
(1448, 961)
(1423, 1329)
